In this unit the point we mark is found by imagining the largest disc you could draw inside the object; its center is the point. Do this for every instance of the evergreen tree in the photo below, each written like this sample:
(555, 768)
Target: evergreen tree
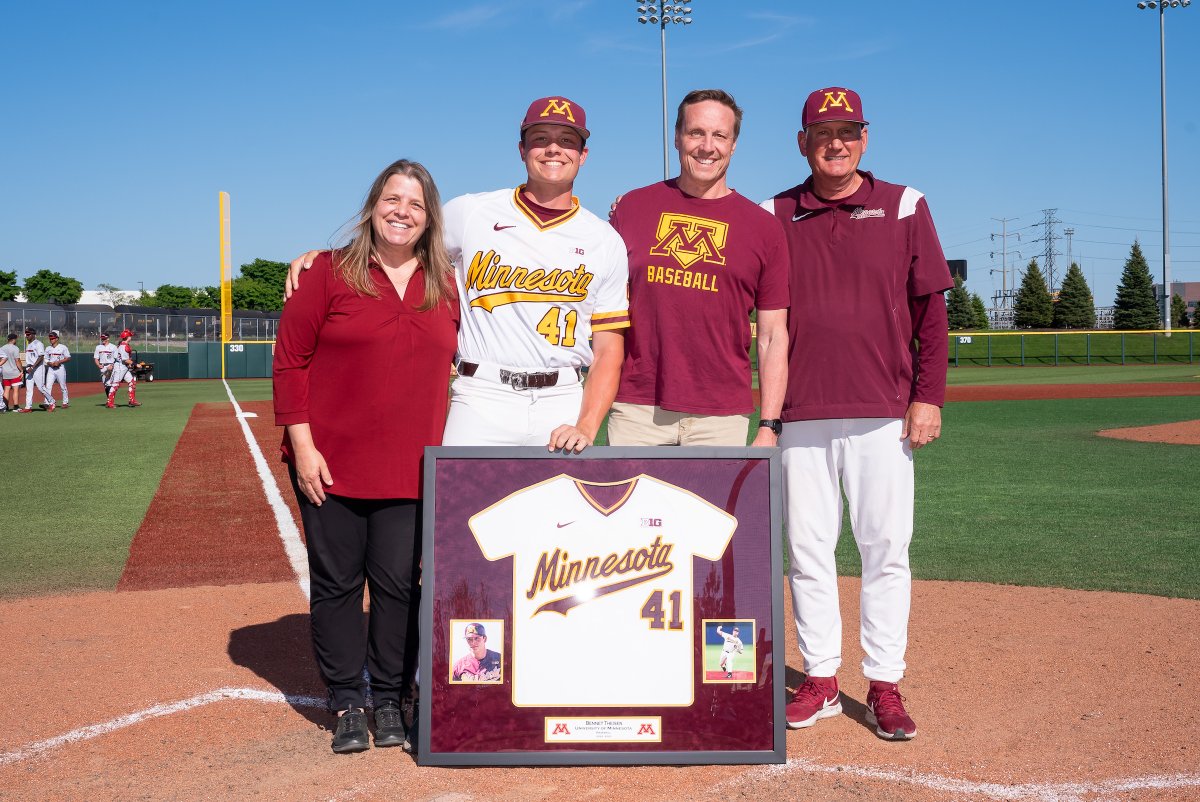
(981, 315)
(1136, 307)
(959, 313)
(1032, 307)
(1076, 309)
(1179, 315)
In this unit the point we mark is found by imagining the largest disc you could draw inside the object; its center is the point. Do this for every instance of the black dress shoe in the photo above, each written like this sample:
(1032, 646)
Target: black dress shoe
(389, 726)
(351, 733)
(411, 723)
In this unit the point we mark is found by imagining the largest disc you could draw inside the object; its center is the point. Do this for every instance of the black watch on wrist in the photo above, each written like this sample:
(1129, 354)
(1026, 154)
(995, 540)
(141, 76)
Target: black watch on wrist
(774, 424)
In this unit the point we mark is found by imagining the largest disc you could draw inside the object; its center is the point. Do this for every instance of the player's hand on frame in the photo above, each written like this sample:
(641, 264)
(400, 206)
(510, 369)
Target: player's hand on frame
(298, 266)
(765, 438)
(312, 475)
(922, 424)
(569, 438)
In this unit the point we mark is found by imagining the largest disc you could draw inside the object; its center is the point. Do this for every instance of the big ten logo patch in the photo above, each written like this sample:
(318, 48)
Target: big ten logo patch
(690, 239)
(652, 522)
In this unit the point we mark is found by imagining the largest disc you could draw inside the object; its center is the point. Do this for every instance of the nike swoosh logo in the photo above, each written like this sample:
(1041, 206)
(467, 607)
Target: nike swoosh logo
(568, 523)
(798, 217)
(498, 227)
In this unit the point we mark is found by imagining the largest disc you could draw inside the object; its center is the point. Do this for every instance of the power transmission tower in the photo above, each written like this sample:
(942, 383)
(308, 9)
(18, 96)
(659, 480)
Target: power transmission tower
(1048, 252)
(1003, 299)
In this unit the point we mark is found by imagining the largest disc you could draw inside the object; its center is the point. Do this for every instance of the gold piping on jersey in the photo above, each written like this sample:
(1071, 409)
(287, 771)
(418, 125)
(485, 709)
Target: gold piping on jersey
(582, 487)
(537, 221)
(610, 321)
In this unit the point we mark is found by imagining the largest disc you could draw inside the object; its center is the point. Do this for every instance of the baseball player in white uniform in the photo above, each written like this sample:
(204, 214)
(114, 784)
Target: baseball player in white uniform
(542, 284)
(733, 647)
(35, 371)
(104, 356)
(122, 371)
(57, 355)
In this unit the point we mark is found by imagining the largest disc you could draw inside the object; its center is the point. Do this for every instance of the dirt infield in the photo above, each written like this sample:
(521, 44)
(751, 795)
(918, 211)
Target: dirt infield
(210, 691)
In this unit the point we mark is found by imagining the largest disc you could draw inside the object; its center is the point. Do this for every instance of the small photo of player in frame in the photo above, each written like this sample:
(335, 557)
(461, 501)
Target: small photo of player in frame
(729, 650)
(476, 651)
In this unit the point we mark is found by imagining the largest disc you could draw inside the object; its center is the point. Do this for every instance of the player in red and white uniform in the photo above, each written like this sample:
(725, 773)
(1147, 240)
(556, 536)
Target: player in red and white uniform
(542, 286)
(602, 563)
(542, 282)
(35, 371)
(57, 355)
(104, 356)
(123, 371)
(867, 379)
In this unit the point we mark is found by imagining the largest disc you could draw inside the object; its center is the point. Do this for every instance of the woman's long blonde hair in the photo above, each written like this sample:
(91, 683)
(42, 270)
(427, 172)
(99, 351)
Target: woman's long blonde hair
(351, 263)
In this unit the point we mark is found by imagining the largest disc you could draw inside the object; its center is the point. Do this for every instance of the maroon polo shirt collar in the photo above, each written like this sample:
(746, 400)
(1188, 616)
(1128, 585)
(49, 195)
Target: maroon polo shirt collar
(810, 200)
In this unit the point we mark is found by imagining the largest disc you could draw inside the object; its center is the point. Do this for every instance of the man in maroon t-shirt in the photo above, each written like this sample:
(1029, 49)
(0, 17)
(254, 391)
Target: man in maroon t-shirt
(867, 380)
(702, 258)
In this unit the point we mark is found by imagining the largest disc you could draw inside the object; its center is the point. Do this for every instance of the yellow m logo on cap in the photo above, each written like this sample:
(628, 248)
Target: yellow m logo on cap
(559, 107)
(838, 102)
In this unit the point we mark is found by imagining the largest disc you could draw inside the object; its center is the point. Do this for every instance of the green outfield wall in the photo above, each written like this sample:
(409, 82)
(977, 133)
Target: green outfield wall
(984, 348)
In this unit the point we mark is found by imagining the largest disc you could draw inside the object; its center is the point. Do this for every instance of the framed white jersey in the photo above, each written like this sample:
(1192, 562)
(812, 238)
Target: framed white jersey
(532, 292)
(598, 568)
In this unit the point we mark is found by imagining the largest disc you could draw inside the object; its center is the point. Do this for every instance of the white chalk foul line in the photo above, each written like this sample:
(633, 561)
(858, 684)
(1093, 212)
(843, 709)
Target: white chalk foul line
(1041, 792)
(288, 533)
(219, 695)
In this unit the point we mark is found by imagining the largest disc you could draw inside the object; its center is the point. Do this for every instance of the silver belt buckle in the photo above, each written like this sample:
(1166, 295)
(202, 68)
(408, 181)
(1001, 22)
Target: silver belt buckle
(518, 381)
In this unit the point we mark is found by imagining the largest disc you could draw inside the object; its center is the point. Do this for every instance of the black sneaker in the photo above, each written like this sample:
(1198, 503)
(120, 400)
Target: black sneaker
(351, 733)
(389, 726)
(410, 716)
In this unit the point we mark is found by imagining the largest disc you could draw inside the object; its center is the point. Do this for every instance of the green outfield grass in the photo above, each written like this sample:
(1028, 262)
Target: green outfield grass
(92, 473)
(1023, 492)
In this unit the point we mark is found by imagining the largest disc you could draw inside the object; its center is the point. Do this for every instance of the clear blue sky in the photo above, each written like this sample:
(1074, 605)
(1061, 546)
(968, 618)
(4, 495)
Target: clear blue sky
(123, 120)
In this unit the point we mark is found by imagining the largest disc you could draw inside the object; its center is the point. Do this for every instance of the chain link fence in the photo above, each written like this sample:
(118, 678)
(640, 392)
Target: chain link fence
(154, 330)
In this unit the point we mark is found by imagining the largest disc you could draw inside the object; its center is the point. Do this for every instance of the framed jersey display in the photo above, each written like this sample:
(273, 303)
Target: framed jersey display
(620, 606)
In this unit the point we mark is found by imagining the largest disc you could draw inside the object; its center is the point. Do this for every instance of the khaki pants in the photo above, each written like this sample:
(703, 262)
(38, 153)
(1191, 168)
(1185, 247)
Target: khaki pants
(644, 425)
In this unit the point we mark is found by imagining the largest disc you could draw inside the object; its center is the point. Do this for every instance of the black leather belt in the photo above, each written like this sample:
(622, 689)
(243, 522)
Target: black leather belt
(518, 380)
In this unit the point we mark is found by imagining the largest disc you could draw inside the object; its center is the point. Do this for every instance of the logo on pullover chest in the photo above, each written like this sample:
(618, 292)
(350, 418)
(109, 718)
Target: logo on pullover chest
(862, 213)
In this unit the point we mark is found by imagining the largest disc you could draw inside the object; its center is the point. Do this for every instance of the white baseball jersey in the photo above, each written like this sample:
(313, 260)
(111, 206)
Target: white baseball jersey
(105, 354)
(57, 353)
(33, 350)
(732, 643)
(121, 372)
(589, 576)
(532, 293)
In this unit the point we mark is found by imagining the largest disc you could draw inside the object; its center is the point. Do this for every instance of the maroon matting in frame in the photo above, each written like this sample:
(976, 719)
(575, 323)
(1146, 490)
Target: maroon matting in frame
(570, 604)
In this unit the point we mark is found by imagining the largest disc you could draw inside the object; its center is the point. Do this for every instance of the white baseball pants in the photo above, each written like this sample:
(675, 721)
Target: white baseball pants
(36, 380)
(57, 376)
(487, 413)
(865, 458)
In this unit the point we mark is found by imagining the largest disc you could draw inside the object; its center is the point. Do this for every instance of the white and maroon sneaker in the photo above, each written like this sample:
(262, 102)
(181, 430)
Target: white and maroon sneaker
(815, 699)
(885, 709)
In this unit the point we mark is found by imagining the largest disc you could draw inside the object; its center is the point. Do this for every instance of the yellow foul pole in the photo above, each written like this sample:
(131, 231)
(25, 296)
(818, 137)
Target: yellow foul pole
(226, 278)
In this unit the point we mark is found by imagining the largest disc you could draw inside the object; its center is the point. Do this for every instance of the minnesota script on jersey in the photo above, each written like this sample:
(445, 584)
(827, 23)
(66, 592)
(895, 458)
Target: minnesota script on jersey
(600, 569)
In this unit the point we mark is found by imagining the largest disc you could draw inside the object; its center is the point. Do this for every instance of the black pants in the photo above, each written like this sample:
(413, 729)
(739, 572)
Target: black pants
(348, 540)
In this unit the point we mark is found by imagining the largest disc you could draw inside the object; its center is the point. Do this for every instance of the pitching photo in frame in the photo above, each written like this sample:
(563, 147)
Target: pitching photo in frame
(573, 602)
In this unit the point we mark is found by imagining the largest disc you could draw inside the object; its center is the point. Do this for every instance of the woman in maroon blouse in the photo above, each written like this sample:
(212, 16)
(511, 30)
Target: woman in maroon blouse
(361, 375)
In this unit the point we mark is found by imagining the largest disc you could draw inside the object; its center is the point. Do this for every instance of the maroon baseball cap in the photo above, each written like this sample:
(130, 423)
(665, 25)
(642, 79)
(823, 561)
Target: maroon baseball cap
(556, 110)
(834, 103)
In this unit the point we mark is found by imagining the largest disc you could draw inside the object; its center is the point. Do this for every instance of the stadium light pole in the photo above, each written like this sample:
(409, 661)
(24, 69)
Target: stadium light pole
(1162, 6)
(663, 14)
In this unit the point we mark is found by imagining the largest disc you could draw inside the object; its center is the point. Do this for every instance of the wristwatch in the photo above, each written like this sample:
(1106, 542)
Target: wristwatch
(774, 424)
